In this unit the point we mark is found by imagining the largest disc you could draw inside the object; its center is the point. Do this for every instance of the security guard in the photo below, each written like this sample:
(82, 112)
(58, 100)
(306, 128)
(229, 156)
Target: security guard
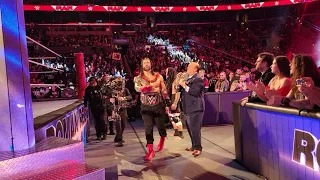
(93, 99)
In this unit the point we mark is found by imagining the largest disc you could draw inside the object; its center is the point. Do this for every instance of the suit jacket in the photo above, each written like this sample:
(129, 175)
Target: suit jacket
(265, 79)
(192, 98)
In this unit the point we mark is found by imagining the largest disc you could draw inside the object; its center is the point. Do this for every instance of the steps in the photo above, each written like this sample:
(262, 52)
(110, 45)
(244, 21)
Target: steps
(52, 157)
(68, 169)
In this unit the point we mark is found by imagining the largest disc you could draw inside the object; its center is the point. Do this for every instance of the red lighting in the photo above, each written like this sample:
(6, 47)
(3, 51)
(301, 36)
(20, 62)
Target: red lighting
(162, 8)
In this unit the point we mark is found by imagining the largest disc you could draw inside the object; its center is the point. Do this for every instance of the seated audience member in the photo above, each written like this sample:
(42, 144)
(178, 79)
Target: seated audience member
(239, 85)
(302, 66)
(230, 76)
(54, 92)
(308, 89)
(222, 84)
(212, 82)
(255, 76)
(202, 73)
(68, 92)
(237, 75)
(263, 63)
(279, 85)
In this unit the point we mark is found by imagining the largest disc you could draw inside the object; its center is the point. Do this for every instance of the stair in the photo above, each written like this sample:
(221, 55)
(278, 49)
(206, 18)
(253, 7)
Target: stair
(63, 170)
(52, 158)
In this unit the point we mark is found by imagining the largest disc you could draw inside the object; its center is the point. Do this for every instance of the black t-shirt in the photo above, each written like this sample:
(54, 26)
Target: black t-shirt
(93, 97)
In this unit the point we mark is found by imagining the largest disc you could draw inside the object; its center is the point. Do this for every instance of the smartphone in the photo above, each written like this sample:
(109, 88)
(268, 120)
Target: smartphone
(300, 81)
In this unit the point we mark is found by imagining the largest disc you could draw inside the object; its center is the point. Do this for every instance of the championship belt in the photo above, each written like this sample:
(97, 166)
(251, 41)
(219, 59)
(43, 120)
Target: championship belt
(151, 99)
(175, 117)
(126, 104)
(114, 117)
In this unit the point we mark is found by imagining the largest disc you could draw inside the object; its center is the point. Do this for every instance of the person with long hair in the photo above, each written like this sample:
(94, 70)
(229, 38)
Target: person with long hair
(154, 102)
(302, 66)
(280, 84)
(172, 80)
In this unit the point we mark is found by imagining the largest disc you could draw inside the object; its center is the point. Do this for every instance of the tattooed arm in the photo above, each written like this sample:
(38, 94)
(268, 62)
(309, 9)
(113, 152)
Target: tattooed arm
(164, 92)
(137, 83)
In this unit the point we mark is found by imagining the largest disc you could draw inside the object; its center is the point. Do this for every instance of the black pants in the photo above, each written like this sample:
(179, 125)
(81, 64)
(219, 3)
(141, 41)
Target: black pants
(99, 123)
(121, 124)
(111, 127)
(131, 113)
(153, 115)
(194, 122)
(109, 123)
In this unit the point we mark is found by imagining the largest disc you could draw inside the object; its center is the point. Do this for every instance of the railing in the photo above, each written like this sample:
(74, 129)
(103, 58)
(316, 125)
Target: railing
(277, 142)
(219, 107)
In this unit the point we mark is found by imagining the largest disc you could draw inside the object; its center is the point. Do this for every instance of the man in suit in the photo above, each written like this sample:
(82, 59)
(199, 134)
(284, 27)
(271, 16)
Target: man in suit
(263, 65)
(192, 101)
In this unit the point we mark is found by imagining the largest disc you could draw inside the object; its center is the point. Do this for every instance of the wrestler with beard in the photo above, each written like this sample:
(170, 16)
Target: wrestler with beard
(172, 84)
(154, 101)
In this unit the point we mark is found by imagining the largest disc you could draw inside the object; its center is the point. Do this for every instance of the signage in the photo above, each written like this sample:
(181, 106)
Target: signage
(116, 56)
(72, 125)
(120, 41)
(306, 149)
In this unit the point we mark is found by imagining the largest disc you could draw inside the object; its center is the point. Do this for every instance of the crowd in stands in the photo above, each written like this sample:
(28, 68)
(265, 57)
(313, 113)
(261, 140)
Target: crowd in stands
(224, 72)
(76, 40)
(63, 82)
(239, 39)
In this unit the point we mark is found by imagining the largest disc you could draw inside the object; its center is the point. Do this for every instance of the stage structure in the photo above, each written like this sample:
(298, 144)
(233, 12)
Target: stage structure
(20, 156)
(79, 66)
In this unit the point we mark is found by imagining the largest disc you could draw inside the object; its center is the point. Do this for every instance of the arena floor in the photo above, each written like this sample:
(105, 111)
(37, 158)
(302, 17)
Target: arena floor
(216, 161)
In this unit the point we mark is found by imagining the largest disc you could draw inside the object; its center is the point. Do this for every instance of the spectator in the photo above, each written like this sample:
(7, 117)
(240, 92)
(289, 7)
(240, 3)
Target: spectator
(301, 66)
(280, 84)
(223, 84)
(263, 64)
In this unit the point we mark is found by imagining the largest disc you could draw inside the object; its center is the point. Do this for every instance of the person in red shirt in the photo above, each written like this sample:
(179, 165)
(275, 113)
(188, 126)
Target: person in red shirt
(279, 85)
(202, 74)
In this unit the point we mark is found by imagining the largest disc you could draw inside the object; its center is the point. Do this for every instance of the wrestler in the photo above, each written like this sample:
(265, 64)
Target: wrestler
(172, 84)
(154, 101)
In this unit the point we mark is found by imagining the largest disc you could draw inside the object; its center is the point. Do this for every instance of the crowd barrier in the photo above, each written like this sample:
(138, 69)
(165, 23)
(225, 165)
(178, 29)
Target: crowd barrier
(219, 107)
(68, 122)
(277, 142)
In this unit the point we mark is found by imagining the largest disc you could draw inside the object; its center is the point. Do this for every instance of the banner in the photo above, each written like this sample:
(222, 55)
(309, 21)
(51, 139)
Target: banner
(162, 8)
(116, 56)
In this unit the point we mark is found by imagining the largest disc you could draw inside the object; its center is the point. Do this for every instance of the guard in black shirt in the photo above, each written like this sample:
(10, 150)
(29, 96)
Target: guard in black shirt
(93, 99)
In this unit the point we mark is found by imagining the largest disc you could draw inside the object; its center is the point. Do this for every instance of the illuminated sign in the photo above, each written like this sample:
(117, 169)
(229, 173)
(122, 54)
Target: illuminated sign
(72, 125)
(120, 41)
(306, 149)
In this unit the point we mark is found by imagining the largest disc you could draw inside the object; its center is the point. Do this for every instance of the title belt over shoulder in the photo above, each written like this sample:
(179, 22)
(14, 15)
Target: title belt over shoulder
(151, 99)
